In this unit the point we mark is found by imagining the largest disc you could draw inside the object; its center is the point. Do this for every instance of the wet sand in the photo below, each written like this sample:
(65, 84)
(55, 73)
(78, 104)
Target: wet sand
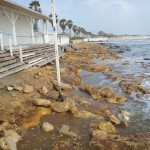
(80, 70)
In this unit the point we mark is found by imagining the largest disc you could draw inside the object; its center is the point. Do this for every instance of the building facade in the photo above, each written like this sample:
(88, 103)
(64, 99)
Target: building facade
(16, 26)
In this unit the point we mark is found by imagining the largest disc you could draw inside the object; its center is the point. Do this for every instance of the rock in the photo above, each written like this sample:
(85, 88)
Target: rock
(84, 102)
(112, 117)
(125, 113)
(42, 102)
(9, 141)
(103, 93)
(49, 67)
(6, 144)
(85, 114)
(5, 126)
(66, 87)
(36, 76)
(12, 134)
(64, 106)
(98, 133)
(27, 89)
(62, 145)
(16, 104)
(74, 111)
(65, 130)
(105, 127)
(130, 87)
(40, 74)
(126, 63)
(18, 88)
(47, 127)
(44, 90)
(124, 123)
(9, 88)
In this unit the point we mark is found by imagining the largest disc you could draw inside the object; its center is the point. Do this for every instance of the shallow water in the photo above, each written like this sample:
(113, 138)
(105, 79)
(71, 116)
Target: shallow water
(137, 54)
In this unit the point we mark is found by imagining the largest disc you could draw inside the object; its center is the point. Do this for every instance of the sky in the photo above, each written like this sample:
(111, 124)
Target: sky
(111, 16)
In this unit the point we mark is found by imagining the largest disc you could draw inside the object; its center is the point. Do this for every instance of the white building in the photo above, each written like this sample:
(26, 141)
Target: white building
(16, 25)
(20, 46)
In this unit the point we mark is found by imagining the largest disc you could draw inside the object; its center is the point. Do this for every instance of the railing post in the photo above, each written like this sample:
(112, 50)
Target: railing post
(20, 52)
(1, 41)
(10, 47)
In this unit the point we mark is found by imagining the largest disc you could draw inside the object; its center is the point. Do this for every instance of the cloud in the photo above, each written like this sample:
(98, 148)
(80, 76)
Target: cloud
(116, 5)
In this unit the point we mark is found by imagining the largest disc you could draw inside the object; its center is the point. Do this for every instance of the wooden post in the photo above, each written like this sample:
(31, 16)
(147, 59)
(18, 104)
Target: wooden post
(56, 43)
(20, 52)
(10, 47)
(1, 41)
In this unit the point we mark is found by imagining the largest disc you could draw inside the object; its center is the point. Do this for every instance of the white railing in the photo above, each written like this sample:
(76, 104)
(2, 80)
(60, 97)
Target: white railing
(7, 40)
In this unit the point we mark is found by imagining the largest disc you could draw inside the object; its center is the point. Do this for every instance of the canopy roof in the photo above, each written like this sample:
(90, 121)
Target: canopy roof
(12, 5)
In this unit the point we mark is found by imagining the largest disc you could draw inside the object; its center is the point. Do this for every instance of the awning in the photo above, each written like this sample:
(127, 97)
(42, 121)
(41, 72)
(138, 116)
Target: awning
(12, 5)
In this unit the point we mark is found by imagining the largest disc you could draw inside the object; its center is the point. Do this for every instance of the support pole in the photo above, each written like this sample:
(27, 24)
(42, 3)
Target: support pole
(10, 47)
(20, 52)
(1, 41)
(31, 22)
(56, 43)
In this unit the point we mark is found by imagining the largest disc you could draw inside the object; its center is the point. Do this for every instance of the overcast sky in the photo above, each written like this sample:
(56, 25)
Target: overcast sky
(112, 16)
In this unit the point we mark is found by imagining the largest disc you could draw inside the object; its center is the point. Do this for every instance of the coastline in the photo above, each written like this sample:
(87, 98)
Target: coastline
(89, 117)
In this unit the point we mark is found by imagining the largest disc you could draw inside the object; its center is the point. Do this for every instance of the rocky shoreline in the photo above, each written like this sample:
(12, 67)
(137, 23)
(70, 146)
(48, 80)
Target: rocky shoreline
(32, 119)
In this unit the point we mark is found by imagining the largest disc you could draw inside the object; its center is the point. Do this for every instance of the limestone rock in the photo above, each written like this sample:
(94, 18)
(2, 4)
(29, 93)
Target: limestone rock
(66, 87)
(44, 90)
(9, 88)
(65, 130)
(85, 114)
(84, 102)
(10, 140)
(49, 67)
(47, 127)
(18, 88)
(64, 106)
(103, 93)
(5, 126)
(40, 74)
(74, 111)
(104, 126)
(112, 117)
(98, 133)
(42, 102)
(27, 89)
(12, 134)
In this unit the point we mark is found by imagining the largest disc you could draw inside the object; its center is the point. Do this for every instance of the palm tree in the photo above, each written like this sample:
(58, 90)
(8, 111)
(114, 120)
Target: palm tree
(35, 5)
(70, 25)
(51, 20)
(74, 28)
(63, 24)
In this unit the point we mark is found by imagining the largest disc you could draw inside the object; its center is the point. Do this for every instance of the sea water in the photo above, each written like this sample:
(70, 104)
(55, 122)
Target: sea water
(136, 52)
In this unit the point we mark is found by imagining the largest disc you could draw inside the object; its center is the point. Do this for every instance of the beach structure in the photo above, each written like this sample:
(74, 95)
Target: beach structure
(98, 39)
(20, 46)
